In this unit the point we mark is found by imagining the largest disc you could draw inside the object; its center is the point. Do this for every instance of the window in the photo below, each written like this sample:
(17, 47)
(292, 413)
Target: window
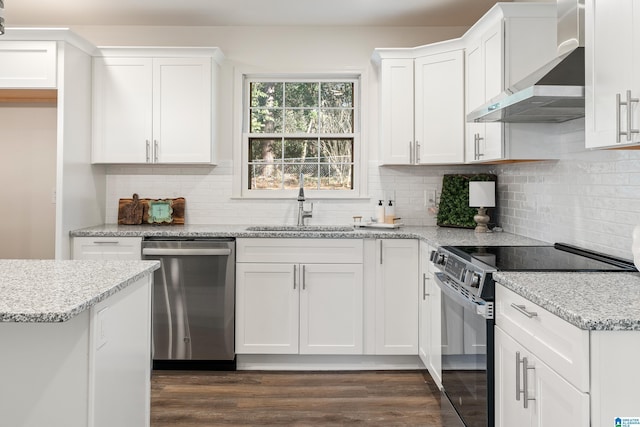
(300, 128)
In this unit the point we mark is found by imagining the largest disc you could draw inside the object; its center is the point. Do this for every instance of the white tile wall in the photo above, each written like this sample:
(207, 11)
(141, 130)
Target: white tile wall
(587, 198)
(209, 200)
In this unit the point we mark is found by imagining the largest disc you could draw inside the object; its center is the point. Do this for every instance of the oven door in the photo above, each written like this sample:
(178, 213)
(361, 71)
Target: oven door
(467, 356)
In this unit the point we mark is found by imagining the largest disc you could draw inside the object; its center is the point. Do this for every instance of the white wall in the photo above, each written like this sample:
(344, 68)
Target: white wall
(586, 198)
(28, 181)
(268, 49)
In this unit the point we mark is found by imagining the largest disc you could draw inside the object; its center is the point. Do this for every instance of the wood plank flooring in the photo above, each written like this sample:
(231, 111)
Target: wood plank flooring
(257, 398)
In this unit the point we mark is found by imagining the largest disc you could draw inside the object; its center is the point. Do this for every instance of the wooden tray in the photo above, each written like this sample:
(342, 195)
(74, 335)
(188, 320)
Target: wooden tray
(135, 211)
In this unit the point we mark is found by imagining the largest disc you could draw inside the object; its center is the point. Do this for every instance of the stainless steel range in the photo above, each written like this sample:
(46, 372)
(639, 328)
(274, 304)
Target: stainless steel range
(468, 291)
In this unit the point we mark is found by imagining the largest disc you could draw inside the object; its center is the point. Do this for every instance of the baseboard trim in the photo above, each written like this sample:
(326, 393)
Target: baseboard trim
(273, 362)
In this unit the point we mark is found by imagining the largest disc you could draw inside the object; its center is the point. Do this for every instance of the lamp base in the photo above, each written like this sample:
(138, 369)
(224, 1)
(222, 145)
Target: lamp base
(481, 219)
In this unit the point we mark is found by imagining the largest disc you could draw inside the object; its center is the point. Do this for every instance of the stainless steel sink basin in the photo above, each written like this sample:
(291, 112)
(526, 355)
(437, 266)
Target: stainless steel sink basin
(325, 228)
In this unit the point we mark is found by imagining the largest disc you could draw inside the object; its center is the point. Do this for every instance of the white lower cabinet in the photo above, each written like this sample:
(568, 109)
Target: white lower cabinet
(299, 307)
(107, 248)
(429, 337)
(541, 366)
(396, 296)
(530, 393)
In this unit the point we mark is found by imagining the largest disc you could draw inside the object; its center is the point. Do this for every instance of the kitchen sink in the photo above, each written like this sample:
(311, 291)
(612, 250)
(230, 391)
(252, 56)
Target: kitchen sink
(325, 228)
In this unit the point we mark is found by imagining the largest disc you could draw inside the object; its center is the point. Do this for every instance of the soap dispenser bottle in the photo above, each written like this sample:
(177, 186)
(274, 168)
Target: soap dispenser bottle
(389, 213)
(380, 212)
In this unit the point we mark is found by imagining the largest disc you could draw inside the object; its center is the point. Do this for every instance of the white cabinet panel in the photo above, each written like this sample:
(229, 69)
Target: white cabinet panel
(122, 110)
(530, 393)
(28, 64)
(612, 66)
(422, 105)
(397, 292)
(153, 109)
(430, 350)
(266, 309)
(331, 300)
(107, 248)
(299, 307)
(396, 103)
(439, 108)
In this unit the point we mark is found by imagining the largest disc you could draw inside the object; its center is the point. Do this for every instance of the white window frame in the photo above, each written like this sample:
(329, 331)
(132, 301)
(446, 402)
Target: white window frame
(241, 145)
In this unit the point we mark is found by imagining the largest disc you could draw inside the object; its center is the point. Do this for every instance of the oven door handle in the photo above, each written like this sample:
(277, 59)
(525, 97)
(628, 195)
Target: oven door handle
(483, 310)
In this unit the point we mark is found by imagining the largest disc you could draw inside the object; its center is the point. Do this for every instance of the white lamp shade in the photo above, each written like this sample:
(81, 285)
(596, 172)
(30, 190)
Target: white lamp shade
(482, 194)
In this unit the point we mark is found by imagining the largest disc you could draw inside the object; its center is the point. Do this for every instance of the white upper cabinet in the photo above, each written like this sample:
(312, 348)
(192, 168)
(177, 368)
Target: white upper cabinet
(612, 78)
(154, 107)
(507, 44)
(28, 64)
(422, 104)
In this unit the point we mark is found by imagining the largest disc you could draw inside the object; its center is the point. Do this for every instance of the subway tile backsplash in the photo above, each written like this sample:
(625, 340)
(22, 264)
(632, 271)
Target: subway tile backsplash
(209, 196)
(586, 198)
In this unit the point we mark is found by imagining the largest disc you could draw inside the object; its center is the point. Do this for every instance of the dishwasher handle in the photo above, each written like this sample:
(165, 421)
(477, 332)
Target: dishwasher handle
(186, 251)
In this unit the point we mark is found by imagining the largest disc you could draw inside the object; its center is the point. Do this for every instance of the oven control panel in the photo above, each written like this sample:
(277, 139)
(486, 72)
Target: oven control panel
(461, 271)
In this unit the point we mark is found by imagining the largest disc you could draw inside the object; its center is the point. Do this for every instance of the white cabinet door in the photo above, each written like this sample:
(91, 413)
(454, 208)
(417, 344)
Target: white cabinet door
(510, 410)
(182, 110)
(28, 64)
(552, 400)
(484, 79)
(612, 65)
(331, 304)
(439, 108)
(430, 351)
(152, 110)
(122, 110)
(397, 293)
(396, 114)
(267, 307)
(118, 248)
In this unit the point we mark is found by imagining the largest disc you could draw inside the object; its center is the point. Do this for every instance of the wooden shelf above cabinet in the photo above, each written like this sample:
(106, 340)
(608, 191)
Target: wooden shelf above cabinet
(29, 96)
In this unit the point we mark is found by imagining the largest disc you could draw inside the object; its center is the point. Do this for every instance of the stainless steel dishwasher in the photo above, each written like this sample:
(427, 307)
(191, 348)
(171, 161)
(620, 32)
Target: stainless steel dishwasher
(193, 302)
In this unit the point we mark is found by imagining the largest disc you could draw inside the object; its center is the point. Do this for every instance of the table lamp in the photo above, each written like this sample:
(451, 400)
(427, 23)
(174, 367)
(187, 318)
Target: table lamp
(482, 195)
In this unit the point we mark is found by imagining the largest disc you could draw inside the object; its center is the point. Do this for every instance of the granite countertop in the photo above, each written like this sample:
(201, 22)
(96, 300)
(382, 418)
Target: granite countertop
(436, 236)
(55, 291)
(592, 301)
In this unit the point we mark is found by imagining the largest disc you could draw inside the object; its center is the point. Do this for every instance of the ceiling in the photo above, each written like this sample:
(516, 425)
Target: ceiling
(245, 12)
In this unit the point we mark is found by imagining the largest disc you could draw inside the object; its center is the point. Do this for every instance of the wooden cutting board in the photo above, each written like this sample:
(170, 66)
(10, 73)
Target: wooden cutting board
(134, 210)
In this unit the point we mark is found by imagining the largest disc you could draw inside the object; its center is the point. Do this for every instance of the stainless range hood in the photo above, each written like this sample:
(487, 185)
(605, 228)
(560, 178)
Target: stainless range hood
(555, 92)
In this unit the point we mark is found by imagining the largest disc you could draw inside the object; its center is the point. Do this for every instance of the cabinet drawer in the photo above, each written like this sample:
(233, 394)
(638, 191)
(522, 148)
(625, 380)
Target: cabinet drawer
(562, 346)
(28, 64)
(107, 248)
(319, 251)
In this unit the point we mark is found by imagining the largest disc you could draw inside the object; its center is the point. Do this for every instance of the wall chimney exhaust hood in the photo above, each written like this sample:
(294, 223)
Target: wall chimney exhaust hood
(555, 92)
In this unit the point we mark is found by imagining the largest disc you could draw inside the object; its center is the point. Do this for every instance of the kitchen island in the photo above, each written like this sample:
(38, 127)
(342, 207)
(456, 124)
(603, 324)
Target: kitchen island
(75, 342)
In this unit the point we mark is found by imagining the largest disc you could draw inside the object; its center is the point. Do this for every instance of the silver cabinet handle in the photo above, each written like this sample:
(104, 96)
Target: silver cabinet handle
(525, 382)
(618, 107)
(480, 154)
(417, 155)
(295, 269)
(155, 151)
(411, 152)
(627, 103)
(523, 309)
(105, 242)
(304, 279)
(147, 152)
(424, 286)
(518, 362)
(380, 251)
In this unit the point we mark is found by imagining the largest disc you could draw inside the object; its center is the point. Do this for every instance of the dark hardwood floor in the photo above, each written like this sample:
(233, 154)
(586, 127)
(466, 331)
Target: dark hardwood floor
(257, 398)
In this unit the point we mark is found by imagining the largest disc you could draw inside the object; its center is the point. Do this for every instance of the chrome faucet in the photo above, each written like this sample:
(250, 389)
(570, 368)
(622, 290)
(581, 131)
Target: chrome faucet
(302, 213)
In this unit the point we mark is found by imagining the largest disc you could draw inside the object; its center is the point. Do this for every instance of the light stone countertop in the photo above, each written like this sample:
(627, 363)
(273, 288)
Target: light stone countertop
(436, 236)
(34, 291)
(591, 301)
